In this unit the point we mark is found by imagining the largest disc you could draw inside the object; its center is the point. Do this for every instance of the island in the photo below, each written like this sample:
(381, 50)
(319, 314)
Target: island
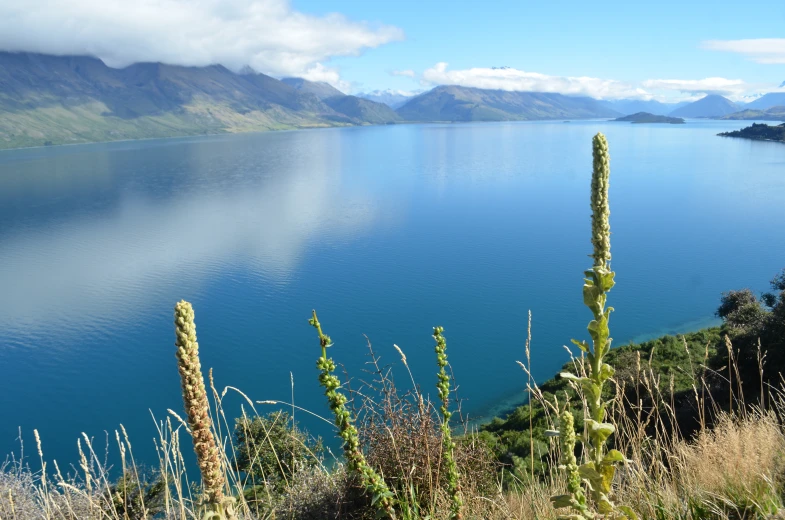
(645, 117)
(759, 132)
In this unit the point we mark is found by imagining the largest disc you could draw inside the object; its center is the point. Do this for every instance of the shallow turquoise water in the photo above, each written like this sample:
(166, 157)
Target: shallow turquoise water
(386, 231)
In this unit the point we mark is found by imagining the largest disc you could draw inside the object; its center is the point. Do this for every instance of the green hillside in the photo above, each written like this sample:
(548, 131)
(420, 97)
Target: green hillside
(363, 110)
(771, 114)
(61, 100)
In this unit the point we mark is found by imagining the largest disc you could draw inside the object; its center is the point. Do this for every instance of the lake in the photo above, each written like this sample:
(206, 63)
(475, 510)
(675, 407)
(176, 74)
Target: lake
(386, 231)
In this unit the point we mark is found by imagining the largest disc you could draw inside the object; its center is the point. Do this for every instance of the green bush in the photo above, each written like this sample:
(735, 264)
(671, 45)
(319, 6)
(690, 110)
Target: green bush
(272, 448)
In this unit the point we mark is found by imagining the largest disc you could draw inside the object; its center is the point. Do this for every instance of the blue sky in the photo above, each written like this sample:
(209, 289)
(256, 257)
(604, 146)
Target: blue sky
(608, 49)
(622, 40)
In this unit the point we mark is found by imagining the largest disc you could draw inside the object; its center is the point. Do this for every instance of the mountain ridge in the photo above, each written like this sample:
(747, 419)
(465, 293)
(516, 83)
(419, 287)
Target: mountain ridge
(456, 103)
(712, 105)
(772, 99)
(47, 99)
(776, 113)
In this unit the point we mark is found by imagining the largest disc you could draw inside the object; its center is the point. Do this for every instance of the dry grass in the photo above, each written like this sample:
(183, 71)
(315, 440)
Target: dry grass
(732, 470)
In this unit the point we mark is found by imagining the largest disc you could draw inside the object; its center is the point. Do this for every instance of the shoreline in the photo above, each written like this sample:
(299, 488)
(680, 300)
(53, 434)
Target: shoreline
(297, 129)
(508, 403)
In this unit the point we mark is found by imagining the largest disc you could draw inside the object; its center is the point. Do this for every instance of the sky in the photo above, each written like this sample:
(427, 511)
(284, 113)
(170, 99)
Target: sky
(662, 50)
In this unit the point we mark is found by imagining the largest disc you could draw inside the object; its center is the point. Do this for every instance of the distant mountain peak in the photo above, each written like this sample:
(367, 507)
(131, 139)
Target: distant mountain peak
(782, 85)
(712, 105)
(390, 97)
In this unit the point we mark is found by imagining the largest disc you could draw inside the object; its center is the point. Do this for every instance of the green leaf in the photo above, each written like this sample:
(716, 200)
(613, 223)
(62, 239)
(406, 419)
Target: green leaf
(562, 501)
(581, 345)
(604, 505)
(600, 431)
(606, 372)
(607, 471)
(570, 377)
(591, 294)
(628, 512)
(613, 456)
(588, 472)
(605, 280)
(590, 388)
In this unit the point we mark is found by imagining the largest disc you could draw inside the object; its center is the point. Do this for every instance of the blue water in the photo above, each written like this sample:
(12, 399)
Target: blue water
(386, 231)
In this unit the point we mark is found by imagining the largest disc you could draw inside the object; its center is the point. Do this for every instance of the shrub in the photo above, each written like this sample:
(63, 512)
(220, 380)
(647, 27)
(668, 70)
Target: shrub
(271, 448)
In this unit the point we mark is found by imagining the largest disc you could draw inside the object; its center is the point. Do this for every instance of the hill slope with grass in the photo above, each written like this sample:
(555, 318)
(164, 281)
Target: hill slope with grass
(76, 99)
(776, 113)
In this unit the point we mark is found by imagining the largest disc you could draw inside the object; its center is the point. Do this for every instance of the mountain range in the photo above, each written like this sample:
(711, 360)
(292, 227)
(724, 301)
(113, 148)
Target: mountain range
(74, 99)
(392, 98)
(453, 103)
(360, 109)
(70, 99)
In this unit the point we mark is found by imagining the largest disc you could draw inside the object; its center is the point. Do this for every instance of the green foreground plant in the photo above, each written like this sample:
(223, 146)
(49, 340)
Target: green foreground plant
(600, 468)
(372, 482)
(453, 479)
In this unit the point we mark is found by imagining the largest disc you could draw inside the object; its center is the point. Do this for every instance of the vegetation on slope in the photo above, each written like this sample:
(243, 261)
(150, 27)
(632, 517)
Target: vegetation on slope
(759, 132)
(776, 113)
(363, 110)
(48, 100)
(645, 117)
(670, 366)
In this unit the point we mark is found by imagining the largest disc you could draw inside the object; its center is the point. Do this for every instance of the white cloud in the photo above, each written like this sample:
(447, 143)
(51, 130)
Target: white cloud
(665, 90)
(735, 88)
(327, 75)
(761, 50)
(394, 92)
(268, 35)
(507, 78)
(404, 73)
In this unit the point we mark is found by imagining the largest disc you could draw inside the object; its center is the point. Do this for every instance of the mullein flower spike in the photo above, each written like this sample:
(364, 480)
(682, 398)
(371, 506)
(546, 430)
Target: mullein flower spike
(197, 409)
(373, 483)
(599, 280)
(443, 385)
(600, 209)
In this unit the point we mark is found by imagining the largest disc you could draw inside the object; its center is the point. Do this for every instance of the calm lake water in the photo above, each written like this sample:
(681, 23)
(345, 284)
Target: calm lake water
(386, 231)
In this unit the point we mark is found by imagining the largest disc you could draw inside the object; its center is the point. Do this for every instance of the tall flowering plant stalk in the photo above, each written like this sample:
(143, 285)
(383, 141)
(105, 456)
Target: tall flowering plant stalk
(216, 505)
(600, 467)
(443, 385)
(374, 484)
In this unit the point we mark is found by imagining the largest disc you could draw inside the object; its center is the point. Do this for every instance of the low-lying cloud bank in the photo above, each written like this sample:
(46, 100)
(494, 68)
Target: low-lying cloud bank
(507, 78)
(268, 35)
